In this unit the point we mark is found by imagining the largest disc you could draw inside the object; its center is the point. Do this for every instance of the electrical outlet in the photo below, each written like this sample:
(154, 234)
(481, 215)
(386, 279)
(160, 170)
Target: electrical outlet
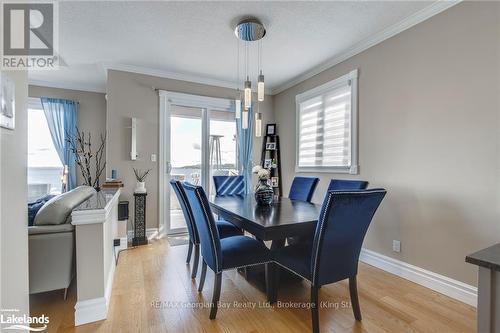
(153, 157)
(396, 246)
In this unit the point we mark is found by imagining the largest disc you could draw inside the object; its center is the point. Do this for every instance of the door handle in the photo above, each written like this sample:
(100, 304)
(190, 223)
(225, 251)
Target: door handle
(169, 168)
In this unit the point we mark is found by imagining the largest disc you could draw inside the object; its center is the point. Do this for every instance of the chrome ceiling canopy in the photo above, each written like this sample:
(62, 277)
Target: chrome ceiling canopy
(250, 30)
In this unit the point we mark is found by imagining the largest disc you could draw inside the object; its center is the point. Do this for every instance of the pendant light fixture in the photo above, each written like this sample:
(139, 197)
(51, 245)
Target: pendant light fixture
(251, 30)
(260, 81)
(248, 83)
(248, 93)
(260, 88)
(244, 119)
(237, 101)
(258, 124)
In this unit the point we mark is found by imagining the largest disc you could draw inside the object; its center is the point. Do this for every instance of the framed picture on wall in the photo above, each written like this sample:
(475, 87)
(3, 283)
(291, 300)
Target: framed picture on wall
(7, 102)
(268, 163)
(274, 181)
(271, 129)
(271, 146)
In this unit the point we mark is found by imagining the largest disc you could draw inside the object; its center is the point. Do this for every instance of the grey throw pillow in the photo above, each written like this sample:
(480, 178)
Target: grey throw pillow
(58, 209)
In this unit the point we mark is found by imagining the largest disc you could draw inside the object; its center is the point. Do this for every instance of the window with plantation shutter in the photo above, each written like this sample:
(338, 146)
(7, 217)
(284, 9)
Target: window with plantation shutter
(327, 127)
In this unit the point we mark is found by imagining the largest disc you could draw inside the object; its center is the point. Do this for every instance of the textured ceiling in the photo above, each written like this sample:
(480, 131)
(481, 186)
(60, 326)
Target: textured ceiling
(196, 38)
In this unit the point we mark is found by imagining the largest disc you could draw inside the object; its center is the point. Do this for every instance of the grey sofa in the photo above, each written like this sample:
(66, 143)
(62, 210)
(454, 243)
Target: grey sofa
(52, 242)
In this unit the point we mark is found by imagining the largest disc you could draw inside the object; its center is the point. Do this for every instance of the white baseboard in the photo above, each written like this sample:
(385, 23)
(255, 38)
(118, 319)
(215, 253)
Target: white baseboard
(90, 310)
(161, 231)
(95, 309)
(123, 244)
(437, 282)
(151, 233)
(109, 283)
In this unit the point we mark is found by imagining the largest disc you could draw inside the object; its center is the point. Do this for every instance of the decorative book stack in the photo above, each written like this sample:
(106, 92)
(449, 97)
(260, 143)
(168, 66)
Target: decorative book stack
(112, 184)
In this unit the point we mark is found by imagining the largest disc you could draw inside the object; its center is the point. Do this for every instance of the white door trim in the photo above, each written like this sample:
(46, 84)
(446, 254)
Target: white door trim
(166, 100)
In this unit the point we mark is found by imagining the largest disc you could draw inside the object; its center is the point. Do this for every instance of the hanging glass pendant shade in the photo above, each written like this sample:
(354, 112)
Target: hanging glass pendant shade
(244, 119)
(258, 124)
(248, 93)
(237, 107)
(260, 88)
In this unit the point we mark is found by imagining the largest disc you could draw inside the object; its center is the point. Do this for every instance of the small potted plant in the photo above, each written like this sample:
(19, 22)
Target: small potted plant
(263, 191)
(140, 176)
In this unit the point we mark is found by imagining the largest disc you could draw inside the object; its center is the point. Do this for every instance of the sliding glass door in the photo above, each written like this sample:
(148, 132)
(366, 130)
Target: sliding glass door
(222, 146)
(186, 158)
(198, 140)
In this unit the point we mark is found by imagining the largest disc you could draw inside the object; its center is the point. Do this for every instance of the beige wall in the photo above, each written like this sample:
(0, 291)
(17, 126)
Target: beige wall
(428, 133)
(13, 208)
(91, 111)
(132, 95)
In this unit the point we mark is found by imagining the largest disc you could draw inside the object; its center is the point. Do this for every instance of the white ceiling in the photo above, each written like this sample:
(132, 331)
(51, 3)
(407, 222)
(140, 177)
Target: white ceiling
(195, 39)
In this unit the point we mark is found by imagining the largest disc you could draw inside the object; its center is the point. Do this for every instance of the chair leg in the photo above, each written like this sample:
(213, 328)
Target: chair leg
(269, 282)
(190, 250)
(216, 295)
(203, 275)
(314, 309)
(353, 291)
(194, 270)
(272, 282)
(276, 281)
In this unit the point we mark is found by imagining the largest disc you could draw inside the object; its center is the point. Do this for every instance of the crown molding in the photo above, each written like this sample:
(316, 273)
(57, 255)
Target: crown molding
(171, 75)
(69, 86)
(377, 38)
(373, 40)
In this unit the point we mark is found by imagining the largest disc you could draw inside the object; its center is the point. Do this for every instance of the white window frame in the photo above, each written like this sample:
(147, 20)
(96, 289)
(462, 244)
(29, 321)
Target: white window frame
(35, 103)
(351, 77)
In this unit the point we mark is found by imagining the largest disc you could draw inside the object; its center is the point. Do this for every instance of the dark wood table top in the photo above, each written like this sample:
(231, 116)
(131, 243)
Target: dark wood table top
(489, 257)
(284, 218)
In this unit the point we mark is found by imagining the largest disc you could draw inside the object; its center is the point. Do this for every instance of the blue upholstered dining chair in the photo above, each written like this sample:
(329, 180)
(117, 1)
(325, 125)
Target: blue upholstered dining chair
(347, 184)
(220, 254)
(225, 229)
(302, 188)
(229, 185)
(334, 253)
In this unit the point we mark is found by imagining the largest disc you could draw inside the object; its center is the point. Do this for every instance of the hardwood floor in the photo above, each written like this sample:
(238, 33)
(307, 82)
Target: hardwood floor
(152, 291)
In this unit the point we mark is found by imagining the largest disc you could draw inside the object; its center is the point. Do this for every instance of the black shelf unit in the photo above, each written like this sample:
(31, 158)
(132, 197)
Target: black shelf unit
(272, 156)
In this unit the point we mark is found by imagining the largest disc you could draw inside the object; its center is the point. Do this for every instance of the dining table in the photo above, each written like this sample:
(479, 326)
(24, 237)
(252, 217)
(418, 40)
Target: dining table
(276, 222)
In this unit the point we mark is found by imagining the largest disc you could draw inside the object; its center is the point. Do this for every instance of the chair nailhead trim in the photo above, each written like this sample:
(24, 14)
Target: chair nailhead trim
(315, 258)
(210, 228)
(190, 213)
(327, 210)
(291, 270)
(256, 264)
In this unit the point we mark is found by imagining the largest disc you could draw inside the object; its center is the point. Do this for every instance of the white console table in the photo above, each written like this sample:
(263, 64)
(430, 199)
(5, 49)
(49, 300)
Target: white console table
(96, 225)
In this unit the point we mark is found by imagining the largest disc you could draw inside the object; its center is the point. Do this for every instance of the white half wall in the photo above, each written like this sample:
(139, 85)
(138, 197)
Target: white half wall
(13, 208)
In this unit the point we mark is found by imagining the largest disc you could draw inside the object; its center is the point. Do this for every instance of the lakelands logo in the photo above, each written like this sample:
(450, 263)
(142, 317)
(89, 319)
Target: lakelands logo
(13, 320)
(30, 35)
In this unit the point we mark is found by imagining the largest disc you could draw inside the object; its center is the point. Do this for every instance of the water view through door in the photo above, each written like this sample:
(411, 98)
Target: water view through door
(185, 156)
(199, 142)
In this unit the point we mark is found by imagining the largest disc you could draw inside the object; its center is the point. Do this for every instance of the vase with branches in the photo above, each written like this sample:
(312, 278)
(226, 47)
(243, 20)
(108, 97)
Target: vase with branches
(140, 176)
(90, 161)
